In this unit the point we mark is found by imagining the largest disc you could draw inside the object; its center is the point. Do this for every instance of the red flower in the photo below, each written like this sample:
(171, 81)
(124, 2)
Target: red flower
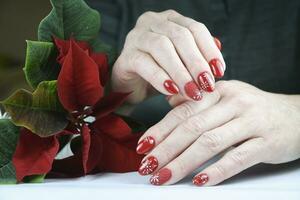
(108, 143)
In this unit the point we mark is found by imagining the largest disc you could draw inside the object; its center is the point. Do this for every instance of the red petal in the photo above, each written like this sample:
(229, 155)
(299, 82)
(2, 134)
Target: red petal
(34, 155)
(86, 142)
(84, 161)
(64, 45)
(91, 149)
(78, 81)
(109, 103)
(102, 62)
(119, 156)
(95, 152)
(114, 126)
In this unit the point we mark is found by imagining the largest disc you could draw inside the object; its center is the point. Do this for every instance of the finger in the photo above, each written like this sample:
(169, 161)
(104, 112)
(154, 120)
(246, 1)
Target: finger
(240, 158)
(204, 148)
(204, 42)
(144, 65)
(162, 129)
(218, 43)
(188, 51)
(175, 100)
(164, 53)
(188, 131)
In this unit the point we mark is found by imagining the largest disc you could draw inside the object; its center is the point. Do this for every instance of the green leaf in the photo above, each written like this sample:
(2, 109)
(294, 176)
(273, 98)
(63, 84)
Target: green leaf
(100, 47)
(9, 134)
(40, 112)
(70, 18)
(40, 64)
(34, 178)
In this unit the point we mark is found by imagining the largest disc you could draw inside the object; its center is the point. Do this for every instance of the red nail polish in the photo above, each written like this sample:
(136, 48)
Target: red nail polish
(217, 67)
(171, 87)
(206, 81)
(192, 90)
(218, 43)
(148, 165)
(200, 179)
(161, 177)
(145, 145)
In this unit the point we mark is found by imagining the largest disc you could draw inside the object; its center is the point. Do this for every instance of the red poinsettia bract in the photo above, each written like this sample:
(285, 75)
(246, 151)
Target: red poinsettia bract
(107, 142)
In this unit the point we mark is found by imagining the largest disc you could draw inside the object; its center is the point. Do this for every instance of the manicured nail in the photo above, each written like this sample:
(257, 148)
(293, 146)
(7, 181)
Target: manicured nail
(148, 166)
(145, 145)
(171, 87)
(217, 67)
(218, 43)
(192, 90)
(161, 177)
(200, 179)
(206, 82)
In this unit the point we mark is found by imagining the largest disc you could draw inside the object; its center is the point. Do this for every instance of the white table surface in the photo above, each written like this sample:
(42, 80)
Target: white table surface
(273, 182)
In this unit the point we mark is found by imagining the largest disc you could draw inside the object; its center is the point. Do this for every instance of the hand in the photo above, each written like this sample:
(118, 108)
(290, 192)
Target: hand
(253, 125)
(173, 53)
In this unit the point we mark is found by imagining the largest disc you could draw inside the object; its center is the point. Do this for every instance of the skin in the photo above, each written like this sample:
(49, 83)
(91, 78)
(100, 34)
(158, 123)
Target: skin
(257, 126)
(251, 125)
(163, 46)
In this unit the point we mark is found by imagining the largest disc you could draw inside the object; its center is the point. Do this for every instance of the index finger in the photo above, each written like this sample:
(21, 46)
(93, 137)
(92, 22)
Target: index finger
(162, 129)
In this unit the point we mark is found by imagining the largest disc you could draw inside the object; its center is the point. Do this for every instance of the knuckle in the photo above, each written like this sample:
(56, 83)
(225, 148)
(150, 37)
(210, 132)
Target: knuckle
(220, 171)
(145, 16)
(166, 151)
(238, 157)
(192, 126)
(242, 99)
(137, 59)
(211, 141)
(183, 111)
(181, 166)
(162, 42)
(171, 12)
(197, 27)
(178, 33)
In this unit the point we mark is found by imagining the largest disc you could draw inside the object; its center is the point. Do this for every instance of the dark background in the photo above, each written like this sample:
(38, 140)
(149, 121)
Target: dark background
(18, 21)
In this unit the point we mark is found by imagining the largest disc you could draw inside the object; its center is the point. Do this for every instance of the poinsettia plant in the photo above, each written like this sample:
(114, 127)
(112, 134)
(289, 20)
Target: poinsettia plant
(68, 69)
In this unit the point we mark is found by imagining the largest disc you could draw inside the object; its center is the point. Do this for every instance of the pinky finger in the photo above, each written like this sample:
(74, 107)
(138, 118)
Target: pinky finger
(149, 70)
(232, 163)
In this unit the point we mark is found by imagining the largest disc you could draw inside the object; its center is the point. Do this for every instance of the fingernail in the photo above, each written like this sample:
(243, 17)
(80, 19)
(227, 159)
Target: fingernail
(171, 87)
(217, 67)
(218, 43)
(192, 90)
(206, 81)
(148, 166)
(145, 145)
(200, 179)
(161, 177)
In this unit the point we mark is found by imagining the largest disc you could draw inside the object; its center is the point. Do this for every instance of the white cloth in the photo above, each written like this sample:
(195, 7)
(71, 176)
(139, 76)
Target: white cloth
(274, 182)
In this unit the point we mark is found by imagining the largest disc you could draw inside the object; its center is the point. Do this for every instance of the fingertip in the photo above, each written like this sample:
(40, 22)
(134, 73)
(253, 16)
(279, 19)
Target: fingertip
(217, 67)
(206, 81)
(193, 91)
(171, 87)
(218, 43)
(145, 145)
(200, 179)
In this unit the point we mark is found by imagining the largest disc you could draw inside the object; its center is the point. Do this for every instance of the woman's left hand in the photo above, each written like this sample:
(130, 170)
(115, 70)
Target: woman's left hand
(259, 126)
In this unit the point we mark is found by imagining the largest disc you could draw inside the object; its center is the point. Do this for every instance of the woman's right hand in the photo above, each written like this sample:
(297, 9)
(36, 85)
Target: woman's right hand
(173, 53)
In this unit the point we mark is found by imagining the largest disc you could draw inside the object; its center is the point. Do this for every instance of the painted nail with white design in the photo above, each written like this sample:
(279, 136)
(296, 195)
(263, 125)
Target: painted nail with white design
(148, 166)
(161, 177)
